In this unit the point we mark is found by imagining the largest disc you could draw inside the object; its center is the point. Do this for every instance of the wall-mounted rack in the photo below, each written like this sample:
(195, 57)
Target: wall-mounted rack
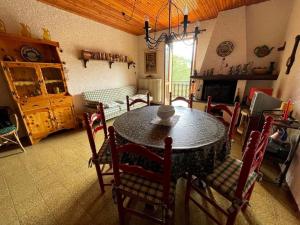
(103, 56)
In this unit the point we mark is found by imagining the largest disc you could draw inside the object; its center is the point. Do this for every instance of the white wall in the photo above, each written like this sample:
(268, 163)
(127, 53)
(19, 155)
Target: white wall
(230, 26)
(75, 33)
(266, 25)
(288, 86)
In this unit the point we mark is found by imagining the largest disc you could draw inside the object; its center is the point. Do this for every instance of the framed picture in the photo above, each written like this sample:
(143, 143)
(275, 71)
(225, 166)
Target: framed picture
(150, 62)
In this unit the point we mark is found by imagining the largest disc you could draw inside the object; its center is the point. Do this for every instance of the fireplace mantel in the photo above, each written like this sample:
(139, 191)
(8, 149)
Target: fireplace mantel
(237, 77)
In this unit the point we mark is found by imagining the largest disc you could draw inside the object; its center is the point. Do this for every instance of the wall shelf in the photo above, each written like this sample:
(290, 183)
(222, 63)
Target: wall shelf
(108, 57)
(237, 77)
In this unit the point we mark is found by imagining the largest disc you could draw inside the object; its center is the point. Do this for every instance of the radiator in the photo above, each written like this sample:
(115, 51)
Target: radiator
(154, 86)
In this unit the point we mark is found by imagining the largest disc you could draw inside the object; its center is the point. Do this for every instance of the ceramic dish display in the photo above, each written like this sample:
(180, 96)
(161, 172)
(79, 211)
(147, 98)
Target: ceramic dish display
(225, 48)
(30, 54)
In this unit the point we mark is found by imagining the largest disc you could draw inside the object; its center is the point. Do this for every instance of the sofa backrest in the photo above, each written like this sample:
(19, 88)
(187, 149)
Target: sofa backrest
(109, 95)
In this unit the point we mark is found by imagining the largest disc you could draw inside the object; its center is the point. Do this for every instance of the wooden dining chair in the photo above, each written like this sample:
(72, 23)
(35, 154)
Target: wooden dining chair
(222, 108)
(234, 179)
(138, 183)
(137, 100)
(94, 123)
(9, 126)
(180, 98)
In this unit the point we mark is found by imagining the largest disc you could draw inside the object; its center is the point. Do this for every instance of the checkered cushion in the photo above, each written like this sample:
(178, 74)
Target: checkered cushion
(105, 153)
(8, 129)
(225, 177)
(147, 190)
(109, 95)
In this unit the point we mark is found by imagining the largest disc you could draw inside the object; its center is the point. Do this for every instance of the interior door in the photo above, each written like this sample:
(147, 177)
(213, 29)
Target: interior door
(179, 65)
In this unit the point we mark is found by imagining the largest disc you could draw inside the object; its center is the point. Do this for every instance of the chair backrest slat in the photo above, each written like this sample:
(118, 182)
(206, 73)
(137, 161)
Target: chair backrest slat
(224, 108)
(253, 155)
(180, 98)
(140, 171)
(147, 102)
(164, 177)
(93, 123)
(140, 150)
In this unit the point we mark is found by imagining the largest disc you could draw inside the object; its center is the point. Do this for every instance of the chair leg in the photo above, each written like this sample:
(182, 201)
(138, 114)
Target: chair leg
(244, 207)
(187, 199)
(188, 190)
(100, 178)
(19, 142)
(120, 207)
(232, 217)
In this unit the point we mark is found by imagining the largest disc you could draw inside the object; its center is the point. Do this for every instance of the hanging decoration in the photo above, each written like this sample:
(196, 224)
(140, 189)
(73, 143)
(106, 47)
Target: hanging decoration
(225, 48)
(262, 51)
(153, 41)
(292, 58)
(2, 27)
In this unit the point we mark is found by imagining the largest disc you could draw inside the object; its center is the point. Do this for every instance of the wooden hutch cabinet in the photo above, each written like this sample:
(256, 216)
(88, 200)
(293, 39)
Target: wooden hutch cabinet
(38, 88)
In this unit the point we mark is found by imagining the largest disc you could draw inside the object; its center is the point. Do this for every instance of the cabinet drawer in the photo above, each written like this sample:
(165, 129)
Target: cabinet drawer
(61, 101)
(26, 106)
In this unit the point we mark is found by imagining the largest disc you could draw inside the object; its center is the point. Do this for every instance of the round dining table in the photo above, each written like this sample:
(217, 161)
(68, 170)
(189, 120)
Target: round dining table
(199, 139)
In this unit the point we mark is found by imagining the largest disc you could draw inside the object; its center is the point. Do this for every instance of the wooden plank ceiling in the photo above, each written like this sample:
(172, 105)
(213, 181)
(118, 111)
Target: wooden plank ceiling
(109, 12)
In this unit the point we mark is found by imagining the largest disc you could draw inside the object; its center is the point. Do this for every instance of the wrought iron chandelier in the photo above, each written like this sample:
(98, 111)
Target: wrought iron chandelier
(170, 36)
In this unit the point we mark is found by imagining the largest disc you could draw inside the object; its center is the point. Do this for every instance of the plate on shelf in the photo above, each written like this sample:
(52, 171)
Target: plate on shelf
(31, 54)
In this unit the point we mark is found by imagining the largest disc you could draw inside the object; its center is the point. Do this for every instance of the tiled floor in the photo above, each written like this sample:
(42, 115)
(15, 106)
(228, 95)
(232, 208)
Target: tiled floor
(52, 184)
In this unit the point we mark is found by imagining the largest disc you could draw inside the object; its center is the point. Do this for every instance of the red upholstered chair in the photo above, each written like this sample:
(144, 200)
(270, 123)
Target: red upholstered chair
(135, 182)
(224, 109)
(234, 179)
(180, 98)
(130, 103)
(94, 123)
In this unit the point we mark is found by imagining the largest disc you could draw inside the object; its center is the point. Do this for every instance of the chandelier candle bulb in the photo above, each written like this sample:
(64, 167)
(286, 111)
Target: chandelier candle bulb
(185, 10)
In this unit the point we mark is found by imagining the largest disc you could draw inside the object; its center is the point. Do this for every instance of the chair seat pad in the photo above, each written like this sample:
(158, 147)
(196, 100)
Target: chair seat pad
(8, 129)
(225, 177)
(104, 153)
(145, 189)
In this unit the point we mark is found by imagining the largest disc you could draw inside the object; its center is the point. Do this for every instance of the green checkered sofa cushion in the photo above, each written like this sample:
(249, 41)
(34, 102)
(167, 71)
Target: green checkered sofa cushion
(106, 96)
(109, 95)
(147, 190)
(225, 177)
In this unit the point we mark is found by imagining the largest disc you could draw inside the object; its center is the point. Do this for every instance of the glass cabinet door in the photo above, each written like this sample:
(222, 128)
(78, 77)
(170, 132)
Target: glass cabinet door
(25, 80)
(53, 79)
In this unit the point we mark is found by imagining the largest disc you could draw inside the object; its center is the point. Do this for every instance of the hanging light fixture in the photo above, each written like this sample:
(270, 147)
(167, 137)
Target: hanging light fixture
(169, 36)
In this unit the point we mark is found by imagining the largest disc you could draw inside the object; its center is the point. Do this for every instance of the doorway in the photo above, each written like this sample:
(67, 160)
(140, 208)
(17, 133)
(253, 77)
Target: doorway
(178, 68)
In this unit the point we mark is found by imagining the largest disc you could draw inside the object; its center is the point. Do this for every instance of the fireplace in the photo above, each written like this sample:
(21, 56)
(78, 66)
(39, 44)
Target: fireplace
(221, 91)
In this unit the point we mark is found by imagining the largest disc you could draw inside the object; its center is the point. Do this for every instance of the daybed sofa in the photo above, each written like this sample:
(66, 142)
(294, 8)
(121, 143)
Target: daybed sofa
(114, 99)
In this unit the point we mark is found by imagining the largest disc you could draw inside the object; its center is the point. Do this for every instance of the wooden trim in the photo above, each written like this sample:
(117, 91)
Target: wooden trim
(237, 77)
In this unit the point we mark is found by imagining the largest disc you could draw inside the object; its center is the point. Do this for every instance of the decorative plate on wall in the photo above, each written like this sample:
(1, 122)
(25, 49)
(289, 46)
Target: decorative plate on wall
(225, 48)
(31, 54)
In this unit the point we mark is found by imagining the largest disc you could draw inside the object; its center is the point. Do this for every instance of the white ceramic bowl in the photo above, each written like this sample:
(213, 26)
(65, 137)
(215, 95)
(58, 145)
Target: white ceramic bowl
(165, 112)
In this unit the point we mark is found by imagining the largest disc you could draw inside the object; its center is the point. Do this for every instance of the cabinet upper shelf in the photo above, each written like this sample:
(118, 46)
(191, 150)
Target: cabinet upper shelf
(27, 39)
